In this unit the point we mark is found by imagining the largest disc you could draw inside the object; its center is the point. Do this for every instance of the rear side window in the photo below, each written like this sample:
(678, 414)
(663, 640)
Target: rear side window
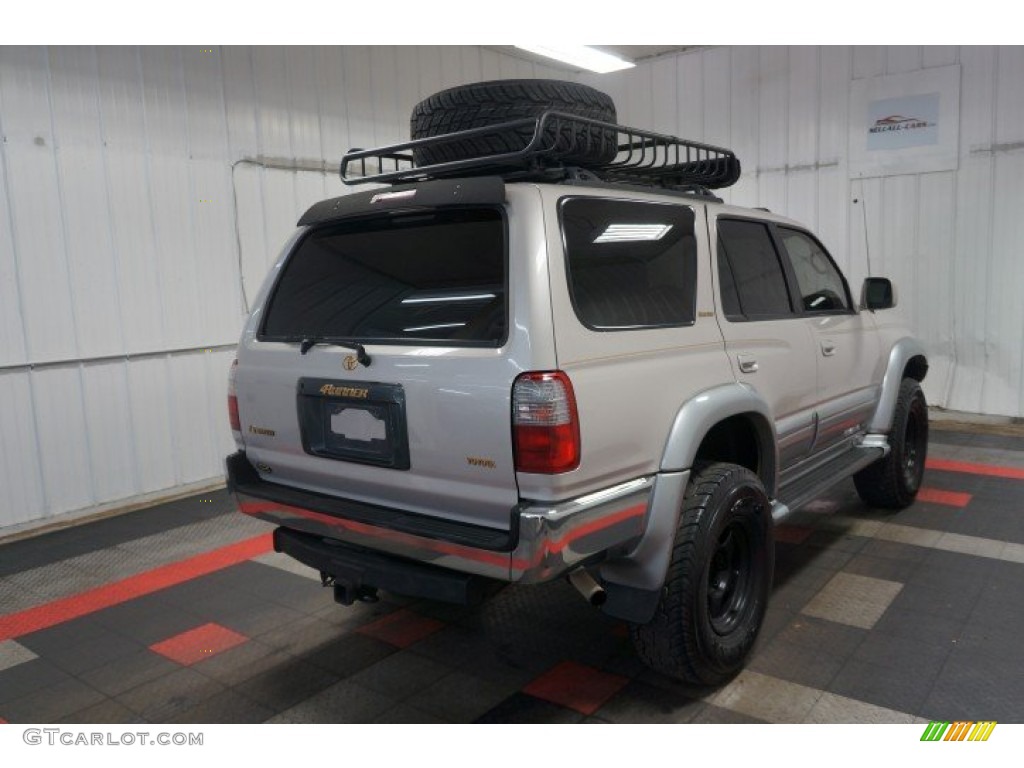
(630, 265)
(752, 281)
(435, 277)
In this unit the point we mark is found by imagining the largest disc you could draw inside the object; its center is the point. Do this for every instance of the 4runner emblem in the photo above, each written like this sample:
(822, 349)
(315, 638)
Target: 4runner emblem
(350, 362)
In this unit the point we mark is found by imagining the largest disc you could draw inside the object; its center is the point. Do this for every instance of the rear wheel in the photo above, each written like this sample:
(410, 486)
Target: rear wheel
(893, 482)
(716, 592)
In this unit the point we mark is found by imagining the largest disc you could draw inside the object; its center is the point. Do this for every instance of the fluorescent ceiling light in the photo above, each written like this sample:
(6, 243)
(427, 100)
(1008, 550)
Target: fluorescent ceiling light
(632, 233)
(583, 56)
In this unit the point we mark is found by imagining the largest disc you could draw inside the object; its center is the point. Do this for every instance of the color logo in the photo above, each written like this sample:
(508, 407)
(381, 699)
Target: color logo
(958, 731)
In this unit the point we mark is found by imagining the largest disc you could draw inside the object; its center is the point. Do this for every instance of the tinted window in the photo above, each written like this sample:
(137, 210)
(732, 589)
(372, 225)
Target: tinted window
(630, 264)
(751, 276)
(821, 286)
(421, 277)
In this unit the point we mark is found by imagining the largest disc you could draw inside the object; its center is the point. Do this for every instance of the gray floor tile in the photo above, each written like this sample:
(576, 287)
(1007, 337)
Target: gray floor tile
(13, 653)
(856, 600)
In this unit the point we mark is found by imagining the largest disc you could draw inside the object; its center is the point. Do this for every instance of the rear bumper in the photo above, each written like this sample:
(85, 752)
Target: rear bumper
(546, 540)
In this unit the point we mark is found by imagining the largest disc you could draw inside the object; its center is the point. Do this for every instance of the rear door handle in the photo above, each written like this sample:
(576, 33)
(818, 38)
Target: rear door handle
(828, 348)
(747, 363)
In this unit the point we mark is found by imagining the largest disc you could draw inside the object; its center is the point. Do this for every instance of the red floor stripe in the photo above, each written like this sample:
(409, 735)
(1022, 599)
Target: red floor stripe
(949, 498)
(67, 608)
(990, 470)
(792, 534)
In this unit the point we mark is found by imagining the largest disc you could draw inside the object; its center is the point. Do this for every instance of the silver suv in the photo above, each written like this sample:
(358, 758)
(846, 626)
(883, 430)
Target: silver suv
(547, 350)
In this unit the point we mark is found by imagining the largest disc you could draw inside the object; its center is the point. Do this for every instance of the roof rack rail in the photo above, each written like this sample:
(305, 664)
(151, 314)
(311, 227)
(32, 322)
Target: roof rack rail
(546, 147)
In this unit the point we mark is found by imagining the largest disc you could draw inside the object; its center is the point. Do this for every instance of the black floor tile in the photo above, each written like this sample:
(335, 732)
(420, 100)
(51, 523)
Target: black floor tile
(522, 708)
(975, 685)
(343, 702)
(401, 674)
(148, 619)
(106, 711)
(814, 668)
(641, 702)
(80, 645)
(168, 696)
(283, 686)
(27, 678)
(224, 707)
(128, 672)
(884, 686)
(46, 705)
(460, 697)
(349, 654)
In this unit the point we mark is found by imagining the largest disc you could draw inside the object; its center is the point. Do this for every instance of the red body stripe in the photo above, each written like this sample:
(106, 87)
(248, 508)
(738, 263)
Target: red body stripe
(990, 470)
(67, 608)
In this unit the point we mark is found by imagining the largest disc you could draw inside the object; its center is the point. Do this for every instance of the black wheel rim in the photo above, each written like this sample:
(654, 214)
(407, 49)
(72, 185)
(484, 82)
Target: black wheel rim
(914, 449)
(730, 577)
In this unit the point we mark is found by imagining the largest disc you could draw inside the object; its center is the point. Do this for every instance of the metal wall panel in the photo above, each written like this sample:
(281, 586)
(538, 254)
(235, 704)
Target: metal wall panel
(950, 240)
(141, 186)
(109, 433)
(22, 494)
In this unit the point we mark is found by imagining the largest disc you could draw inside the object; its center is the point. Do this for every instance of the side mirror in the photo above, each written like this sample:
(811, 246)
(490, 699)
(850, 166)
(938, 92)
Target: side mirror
(878, 293)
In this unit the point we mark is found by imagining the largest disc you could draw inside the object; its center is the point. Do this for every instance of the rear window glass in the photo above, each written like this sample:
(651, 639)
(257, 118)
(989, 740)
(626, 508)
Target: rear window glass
(630, 265)
(434, 277)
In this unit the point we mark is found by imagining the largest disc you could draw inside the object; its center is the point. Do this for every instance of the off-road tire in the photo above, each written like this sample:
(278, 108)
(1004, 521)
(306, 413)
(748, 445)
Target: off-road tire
(498, 101)
(893, 482)
(703, 630)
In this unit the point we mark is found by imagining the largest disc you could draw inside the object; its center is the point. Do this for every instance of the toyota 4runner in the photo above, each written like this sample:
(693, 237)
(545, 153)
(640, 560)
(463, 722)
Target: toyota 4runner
(545, 349)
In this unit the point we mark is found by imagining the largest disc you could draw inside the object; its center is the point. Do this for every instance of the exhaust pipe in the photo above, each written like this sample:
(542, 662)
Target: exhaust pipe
(585, 584)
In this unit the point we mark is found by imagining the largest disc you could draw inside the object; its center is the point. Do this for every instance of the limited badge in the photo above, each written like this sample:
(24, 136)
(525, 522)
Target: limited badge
(350, 363)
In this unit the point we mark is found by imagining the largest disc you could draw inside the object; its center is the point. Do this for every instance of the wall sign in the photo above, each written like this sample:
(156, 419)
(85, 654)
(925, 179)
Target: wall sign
(906, 123)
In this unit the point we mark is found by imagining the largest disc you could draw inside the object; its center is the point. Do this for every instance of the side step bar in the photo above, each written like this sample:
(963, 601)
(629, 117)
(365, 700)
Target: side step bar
(808, 486)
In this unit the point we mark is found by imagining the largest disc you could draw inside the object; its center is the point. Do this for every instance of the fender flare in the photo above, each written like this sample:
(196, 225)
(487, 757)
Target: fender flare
(702, 412)
(633, 582)
(902, 352)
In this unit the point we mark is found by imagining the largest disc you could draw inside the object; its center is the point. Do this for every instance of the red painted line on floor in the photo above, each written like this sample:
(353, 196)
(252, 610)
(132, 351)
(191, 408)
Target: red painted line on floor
(197, 644)
(92, 600)
(989, 470)
(949, 498)
(576, 686)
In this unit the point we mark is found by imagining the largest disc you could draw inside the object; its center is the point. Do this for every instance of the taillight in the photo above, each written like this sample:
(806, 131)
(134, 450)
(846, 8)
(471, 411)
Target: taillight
(545, 425)
(236, 423)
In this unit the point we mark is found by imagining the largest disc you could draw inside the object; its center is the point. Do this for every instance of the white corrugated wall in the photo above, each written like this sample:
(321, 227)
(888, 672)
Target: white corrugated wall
(952, 241)
(129, 176)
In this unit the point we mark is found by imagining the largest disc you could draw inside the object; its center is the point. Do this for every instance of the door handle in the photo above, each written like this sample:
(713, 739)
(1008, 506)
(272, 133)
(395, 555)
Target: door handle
(747, 363)
(828, 348)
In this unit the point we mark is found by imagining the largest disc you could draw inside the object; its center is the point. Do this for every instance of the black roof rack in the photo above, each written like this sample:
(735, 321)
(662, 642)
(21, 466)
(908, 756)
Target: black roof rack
(549, 147)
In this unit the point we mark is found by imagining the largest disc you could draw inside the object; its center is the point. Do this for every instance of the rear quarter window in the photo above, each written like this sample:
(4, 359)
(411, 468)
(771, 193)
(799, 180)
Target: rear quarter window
(629, 264)
(436, 277)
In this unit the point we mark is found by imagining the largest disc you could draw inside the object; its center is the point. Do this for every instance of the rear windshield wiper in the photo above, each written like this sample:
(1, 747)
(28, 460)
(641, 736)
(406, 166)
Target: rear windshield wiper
(358, 348)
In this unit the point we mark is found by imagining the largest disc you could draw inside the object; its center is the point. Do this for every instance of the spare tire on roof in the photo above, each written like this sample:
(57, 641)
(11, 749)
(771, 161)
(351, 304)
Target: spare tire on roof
(498, 101)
